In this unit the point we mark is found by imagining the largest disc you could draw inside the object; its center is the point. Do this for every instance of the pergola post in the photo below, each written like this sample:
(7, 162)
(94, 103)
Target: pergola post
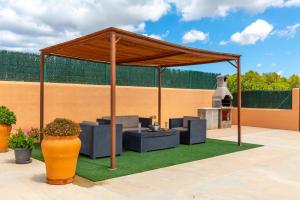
(159, 93)
(113, 98)
(239, 101)
(42, 63)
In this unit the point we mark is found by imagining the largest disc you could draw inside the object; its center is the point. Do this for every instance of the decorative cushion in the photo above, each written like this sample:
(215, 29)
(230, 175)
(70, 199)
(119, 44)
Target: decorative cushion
(186, 119)
(181, 129)
(90, 123)
(128, 121)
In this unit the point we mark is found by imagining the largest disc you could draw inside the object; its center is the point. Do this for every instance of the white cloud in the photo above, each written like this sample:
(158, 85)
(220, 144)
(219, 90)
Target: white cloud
(291, 3)
(134, 28)
(158, 36)
(195, 35)
(222, 43)
(258, 65)
(258, 30)
(197, 9)
(274, 64)
(31, 25)
(280, 72)
(289, 31)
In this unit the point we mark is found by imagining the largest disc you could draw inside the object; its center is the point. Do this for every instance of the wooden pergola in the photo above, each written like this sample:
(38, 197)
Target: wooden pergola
(116, 46)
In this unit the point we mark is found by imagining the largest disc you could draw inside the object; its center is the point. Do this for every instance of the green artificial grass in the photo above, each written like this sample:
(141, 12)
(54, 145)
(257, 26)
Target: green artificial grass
(132, 162)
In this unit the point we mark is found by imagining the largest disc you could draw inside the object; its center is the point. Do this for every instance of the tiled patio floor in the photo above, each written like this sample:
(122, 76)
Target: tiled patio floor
(269, 172)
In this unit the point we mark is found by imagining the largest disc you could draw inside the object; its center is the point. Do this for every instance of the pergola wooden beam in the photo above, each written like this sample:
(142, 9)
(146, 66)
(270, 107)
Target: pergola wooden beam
(113, 99)
(152, 57)
(239, 101)
(77, 58)
(159, 72)
(42, 73)
(194, 63)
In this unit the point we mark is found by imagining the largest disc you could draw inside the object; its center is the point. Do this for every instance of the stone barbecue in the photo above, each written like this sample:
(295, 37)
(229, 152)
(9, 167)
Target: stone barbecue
(219, 115)
(222, 99)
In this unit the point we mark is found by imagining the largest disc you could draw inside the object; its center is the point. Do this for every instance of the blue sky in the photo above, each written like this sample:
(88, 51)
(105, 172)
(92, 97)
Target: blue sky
(279, 54)
(264, 32)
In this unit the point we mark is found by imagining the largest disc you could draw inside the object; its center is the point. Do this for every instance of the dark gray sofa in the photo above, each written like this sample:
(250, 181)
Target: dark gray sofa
(96, 139)
(129, 122)
(192, 129)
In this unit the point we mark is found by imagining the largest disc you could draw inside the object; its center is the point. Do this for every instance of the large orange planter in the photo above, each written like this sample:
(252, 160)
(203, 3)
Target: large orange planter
(4, 134)
(60, 155)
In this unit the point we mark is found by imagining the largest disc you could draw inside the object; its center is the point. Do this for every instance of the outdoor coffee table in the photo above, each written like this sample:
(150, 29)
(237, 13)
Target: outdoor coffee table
(143, 141)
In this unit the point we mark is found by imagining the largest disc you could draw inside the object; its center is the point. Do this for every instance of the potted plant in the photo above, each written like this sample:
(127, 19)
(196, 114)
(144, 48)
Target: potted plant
(23, 143)
(7, 118)
(60, 148)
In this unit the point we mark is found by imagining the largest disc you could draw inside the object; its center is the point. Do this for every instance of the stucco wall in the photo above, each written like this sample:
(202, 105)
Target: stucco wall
(272, 118)
(88, 102)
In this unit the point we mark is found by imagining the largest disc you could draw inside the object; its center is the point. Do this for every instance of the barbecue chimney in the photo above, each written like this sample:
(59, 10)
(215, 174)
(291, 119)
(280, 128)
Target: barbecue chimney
(221, 97)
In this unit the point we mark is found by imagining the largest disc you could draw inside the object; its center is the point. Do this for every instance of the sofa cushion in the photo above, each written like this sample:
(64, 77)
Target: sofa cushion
(128, 121)
(186, 119)
(135, 129)
(181, 129)
(90, 123)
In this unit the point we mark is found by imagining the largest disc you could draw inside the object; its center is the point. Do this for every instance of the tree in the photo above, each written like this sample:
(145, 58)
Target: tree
(294, 81)
(272, 77)
(268, 81)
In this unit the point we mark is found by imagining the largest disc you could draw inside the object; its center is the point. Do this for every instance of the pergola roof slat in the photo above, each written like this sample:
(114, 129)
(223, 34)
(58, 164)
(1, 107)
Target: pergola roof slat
(134, 49)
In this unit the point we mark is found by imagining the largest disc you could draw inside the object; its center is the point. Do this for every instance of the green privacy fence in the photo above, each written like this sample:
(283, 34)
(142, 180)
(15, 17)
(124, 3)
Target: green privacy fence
(266, 99)
(17, 66)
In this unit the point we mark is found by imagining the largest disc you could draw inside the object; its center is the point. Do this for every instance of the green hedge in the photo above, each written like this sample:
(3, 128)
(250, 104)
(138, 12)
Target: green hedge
(17, 66)
(266, 99)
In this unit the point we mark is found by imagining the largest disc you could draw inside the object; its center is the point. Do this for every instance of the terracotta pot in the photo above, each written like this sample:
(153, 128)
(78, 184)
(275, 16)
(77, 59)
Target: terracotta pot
(4, 134)
(60, 155)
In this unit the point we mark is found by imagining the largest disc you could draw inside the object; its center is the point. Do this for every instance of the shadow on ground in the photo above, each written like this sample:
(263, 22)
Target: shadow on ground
(40, 178)
(10, 161)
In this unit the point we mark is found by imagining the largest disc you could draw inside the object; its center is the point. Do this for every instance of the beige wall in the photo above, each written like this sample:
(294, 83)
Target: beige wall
(88, 102)
(272, 118)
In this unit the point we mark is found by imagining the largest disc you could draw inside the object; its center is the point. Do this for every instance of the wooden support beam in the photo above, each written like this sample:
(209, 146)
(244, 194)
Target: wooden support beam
(194, 63)
(98, 61)
(152, 57)
(78, 58)
(42, 63)
(239, 101)
(234, 65)
(118, 39)
(113, 99)
(159, 94)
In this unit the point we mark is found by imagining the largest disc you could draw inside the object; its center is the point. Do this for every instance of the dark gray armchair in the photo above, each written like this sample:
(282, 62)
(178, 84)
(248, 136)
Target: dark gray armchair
(192, 129)
(96, 139)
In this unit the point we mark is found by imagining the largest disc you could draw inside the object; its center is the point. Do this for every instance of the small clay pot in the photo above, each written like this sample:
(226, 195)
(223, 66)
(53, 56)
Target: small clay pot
(23, 155)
